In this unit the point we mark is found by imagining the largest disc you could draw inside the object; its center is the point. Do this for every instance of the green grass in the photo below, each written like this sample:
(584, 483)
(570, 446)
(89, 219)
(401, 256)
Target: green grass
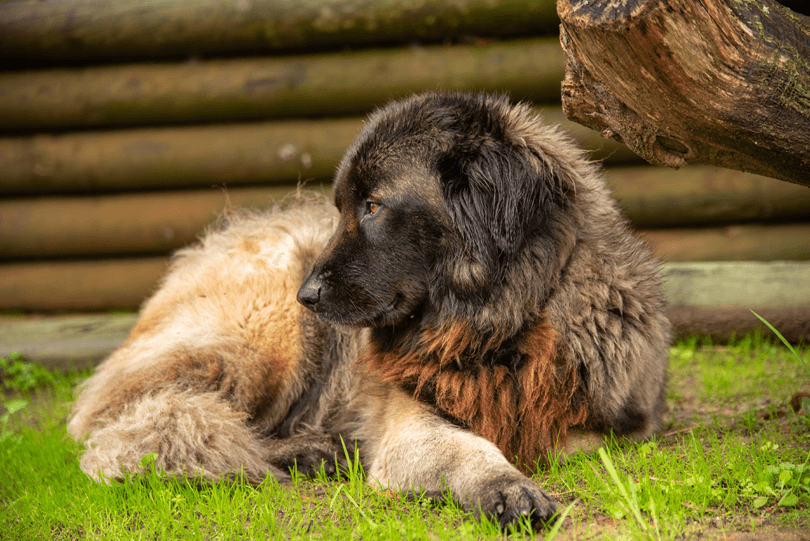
(732, 457)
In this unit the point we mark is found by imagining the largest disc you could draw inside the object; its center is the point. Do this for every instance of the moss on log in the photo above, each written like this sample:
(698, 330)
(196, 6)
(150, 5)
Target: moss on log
(255, 88)
(54, 31)
(698, 195)
(119, 224)
(774, 284)
(179, 157)
(752, 242)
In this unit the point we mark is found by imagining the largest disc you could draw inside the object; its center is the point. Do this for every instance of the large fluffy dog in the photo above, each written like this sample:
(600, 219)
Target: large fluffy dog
(509, 314)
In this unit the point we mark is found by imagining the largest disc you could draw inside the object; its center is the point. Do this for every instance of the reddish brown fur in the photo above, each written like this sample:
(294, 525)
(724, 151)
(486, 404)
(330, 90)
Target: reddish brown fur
(526, 414)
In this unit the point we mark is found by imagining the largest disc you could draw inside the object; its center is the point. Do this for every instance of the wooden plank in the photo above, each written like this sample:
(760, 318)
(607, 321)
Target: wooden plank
(137, 223)
(53, 30)
(708, 299)
(316, 85)
(751, 242)
(201, 156)
(775, 284)
(69, 341)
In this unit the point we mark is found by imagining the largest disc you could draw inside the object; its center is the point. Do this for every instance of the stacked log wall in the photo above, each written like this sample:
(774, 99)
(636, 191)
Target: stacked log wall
(125, 131)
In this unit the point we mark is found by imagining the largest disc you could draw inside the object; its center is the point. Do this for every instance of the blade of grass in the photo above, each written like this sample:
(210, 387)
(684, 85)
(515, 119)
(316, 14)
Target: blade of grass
(623, 491)
(784, 341)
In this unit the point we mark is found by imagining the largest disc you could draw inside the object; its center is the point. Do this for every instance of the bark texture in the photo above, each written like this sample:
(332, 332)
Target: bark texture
(316, 85)
(59, 31)
(719, 82)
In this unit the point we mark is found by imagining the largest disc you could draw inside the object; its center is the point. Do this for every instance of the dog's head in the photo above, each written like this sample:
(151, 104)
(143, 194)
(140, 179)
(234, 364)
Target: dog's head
(437, 197)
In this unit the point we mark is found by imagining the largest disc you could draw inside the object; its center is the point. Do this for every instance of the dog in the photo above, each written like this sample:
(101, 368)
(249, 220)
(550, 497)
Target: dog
(473, 305)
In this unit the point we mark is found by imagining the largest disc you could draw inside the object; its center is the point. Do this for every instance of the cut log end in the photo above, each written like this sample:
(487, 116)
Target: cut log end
(721, 83)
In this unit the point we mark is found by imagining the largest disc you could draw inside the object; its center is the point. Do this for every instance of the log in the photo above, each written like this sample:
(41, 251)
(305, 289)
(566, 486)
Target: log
(69, 340)
(147, 223)
(333, 84)
(716, 82)
(59, 286)
(182, 157)
(57, 31)
(699, 195)
(175, 157)
(722, 325)
(159, 222)
(751, 242)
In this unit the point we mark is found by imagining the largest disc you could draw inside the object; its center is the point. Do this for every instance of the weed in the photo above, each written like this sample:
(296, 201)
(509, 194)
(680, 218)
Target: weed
(11, 406)
(23, 377)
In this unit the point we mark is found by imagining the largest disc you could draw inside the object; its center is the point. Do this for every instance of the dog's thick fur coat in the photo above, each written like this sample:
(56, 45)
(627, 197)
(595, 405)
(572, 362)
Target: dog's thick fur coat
(511, 314)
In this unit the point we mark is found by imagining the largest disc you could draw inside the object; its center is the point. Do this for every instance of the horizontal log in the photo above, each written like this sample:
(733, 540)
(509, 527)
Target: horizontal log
(74, 341)
(181, 157)
(695, 195)
(53, 30)
(175, 157)
(58, 286)
(158, 222)
(65, 341)
(119, 224)
(722, 325)
(750, 242)
(258, 88)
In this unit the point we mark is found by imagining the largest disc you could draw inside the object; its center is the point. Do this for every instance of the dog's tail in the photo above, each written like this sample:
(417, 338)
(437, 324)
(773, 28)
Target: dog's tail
(180, 434)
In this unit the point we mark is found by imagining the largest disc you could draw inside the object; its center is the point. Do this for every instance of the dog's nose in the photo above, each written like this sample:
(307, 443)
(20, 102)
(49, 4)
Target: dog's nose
(310, 292)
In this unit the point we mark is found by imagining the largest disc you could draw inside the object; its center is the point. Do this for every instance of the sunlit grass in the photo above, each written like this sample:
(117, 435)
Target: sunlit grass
(733, 456)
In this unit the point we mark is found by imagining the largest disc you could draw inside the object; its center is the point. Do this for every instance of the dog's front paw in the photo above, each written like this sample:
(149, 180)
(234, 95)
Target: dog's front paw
(508, 498)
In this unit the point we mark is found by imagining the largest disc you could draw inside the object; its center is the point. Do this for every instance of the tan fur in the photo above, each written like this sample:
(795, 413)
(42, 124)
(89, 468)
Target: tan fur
(225, 324)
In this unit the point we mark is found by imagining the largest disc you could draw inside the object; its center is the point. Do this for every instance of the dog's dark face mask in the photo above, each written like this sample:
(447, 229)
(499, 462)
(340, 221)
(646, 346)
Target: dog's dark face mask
(377, 267)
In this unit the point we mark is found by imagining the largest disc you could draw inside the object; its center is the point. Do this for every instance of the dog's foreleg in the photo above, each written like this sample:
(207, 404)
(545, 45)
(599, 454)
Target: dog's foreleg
(408, 447)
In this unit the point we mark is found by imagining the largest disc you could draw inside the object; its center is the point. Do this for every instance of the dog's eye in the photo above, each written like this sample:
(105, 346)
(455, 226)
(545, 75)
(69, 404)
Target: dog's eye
(372, 208)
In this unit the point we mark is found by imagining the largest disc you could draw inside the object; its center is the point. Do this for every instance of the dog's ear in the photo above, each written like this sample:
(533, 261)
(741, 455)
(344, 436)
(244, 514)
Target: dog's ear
(497, 195)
